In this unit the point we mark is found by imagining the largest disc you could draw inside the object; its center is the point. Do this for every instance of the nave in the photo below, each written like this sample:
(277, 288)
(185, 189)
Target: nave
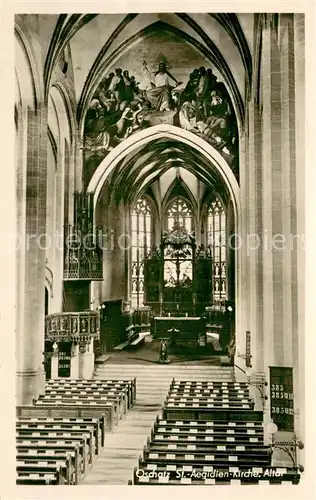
(160, 201)
(188, 425)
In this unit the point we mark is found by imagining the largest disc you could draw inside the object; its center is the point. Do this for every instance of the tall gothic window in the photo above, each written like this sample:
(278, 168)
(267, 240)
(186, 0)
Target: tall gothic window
(179, 214)
(141, 243)
(217, 241)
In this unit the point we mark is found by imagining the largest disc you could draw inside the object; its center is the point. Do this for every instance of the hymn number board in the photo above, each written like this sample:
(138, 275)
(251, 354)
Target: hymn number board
(281, 397)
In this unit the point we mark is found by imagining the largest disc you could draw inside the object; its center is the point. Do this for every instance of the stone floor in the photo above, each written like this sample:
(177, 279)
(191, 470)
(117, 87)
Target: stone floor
(148, 352)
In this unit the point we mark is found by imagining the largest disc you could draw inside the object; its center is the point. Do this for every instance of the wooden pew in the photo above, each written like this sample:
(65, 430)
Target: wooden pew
(191, 391)
(207, 446)
(84, 439)
(85, 402)
(41, 442)
(96, 384)
(87, 410)
(187, 412)
(48, 449)
(160, 422)
(198, 439)
(51, 472)
(209, 383)
(198, 457)
(37, 456)
(50, 466)
(205, 401)
(35, 478)
(172, 474)
(215, 429)
(42, 424)
(208, 388)
(56, 431)
(118, 397)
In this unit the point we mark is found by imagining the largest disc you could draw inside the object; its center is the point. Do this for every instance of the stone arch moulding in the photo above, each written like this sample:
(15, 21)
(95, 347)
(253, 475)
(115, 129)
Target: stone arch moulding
(168, 199)
(58, 87)
(141, 139)
(23, 45)
(170, 132)
(161, 131)
(167, 196)
(63, 113)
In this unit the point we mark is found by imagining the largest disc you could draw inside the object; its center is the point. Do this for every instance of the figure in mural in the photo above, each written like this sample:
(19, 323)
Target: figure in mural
(128, 90)
(159, 95)
(189, 92)
(117, 86)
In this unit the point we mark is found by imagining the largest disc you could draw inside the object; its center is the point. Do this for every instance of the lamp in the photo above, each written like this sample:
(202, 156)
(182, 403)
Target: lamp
(101, 308)
(290, 448)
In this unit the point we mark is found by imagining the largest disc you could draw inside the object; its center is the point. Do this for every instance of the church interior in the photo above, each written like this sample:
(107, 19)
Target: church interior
(160, 211)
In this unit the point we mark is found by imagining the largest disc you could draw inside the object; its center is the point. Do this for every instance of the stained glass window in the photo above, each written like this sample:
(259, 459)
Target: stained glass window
(217, 242)
(179, 214)
(141, 243)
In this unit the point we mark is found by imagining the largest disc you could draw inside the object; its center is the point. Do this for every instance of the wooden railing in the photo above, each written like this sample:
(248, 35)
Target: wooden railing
(72, 326)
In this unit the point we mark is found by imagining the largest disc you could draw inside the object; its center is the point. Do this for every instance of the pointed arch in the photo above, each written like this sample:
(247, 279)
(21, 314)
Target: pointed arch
(217, 167)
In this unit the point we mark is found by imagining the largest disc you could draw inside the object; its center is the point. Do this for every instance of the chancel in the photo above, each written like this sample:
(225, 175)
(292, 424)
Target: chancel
(159, 334)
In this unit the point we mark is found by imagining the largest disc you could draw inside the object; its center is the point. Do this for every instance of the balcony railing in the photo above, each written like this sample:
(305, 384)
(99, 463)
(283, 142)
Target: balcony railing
(83, 256)
(72, 326)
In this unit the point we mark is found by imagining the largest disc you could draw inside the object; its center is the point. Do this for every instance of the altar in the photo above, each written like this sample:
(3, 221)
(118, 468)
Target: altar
(182, 329)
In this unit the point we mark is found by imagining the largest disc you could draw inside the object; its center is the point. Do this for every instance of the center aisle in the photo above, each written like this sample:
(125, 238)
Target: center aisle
(123, 447)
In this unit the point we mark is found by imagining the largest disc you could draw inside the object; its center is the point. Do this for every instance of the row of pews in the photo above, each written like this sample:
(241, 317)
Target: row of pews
(209, 434)
(61, 434)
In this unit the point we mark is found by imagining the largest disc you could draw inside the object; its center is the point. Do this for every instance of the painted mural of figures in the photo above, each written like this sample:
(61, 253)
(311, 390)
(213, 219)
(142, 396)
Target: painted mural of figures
(104, 85)
(96, 137)
(187, 115)
(205, 86)
(189, 92)
(129, 89)
(106, 99)
(127, 123)
(159, 95)
(121, 106)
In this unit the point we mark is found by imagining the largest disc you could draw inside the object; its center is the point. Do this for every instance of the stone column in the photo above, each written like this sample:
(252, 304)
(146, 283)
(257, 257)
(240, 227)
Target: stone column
(55, 363)
(241, 270)
(254, 241)
(298, 259)
(74, 362)
(30, 332)
(86, 360)
(272, 258)
(127, 280)
(271, 196)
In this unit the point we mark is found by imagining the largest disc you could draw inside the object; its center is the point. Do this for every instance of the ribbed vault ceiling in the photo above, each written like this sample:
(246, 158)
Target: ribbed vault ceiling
(163, 161)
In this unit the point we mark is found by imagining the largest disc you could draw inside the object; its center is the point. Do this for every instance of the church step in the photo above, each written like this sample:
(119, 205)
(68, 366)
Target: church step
(152, 377)
(162, 367)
